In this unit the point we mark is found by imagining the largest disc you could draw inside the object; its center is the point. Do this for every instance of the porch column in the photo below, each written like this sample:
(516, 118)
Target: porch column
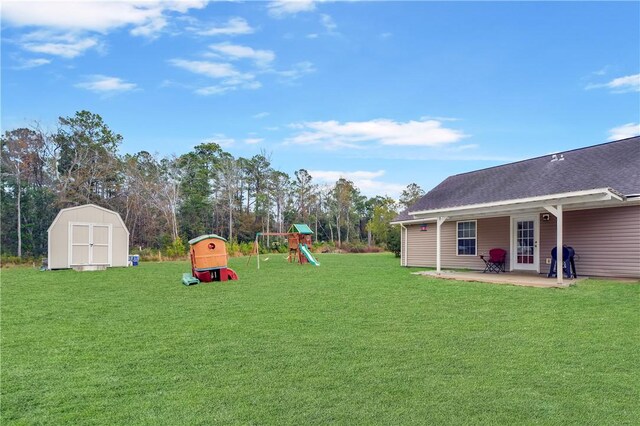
(557, 212)
(559, 250)
(439, 223)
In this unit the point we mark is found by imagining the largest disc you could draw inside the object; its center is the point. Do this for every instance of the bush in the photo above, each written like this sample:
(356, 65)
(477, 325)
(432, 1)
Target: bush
(247, 249)
(7, 260)
(233, 248)
(176, 249)
(393, 242)
(360, 247)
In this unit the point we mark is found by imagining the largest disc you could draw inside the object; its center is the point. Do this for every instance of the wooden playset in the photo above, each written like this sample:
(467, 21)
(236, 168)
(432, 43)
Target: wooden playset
(208, 261)
(299, 241)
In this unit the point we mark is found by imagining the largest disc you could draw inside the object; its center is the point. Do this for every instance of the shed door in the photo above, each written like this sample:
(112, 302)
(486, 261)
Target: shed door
(80, 244)
(101, 245)
(90, 244)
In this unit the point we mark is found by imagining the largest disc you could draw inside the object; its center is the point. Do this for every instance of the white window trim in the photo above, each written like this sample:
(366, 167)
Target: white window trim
(475, 238)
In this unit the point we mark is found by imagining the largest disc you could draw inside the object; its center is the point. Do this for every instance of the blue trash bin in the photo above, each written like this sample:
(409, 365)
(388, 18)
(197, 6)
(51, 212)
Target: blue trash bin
(134, 259)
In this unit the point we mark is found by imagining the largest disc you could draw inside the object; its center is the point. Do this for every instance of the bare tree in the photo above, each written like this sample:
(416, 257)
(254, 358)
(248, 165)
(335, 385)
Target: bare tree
(22, 159)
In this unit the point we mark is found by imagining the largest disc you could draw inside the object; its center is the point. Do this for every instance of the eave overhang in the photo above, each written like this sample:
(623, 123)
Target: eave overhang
(578, 199)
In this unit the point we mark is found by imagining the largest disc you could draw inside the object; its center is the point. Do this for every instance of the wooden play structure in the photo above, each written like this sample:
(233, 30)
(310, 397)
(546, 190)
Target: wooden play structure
(208, 261)
(299, 241)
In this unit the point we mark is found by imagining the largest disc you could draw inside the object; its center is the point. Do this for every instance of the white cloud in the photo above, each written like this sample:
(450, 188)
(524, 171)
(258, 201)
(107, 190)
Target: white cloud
(262, 58)
(385, 35)
(228, 77)
(105, 84)
(253, 141)
(234, 26)
(146, 17)
(625, 131)
(629, 83)
(66, 45)
(209, 69)
(25, 64)
(366, 181)
(333, 134)
(213, 90)
(281, 8)
(261, 115)
(151, 29)
(220, 139)
(298, 70)
(328, 23)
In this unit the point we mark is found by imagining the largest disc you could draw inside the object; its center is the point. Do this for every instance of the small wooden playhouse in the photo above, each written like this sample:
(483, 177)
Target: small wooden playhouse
(209, 260)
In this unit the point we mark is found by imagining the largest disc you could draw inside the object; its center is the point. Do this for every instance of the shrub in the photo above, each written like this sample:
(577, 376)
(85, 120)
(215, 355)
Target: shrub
(7, 260)
(176, 249)
(233, 248)
(247, 249)
(393, 242)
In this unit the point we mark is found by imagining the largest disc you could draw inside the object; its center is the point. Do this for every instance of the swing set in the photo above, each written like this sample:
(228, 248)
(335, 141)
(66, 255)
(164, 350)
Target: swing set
(299, 241)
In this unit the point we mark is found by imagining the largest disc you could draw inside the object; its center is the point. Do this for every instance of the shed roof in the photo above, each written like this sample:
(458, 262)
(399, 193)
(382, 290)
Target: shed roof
(300, 228)
(85, 206)
(609, 165)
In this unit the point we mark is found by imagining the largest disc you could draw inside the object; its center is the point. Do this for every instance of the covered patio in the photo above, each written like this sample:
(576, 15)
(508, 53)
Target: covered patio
(524, 263)
(512, 278)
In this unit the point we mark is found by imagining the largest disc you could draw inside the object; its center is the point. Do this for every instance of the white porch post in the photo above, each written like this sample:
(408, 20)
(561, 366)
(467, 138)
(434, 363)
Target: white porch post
(439, 223)
(404, 260)
(557, 212)
(559, 250)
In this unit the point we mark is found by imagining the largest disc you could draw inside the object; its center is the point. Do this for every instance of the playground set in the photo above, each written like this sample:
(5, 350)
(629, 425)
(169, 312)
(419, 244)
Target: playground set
(299, 241)
(208, 261)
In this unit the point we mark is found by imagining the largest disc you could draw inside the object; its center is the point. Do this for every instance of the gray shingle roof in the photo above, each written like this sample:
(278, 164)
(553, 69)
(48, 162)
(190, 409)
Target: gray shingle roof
(613, 165)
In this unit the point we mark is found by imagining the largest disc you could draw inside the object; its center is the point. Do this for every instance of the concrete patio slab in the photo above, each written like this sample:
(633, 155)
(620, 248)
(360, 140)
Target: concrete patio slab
(512, 278)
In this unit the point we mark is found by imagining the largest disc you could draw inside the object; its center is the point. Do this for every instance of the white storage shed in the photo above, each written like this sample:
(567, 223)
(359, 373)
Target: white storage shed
(88, 236)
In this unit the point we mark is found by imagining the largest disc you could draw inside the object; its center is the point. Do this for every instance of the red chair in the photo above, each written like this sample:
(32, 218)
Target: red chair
(496, 261)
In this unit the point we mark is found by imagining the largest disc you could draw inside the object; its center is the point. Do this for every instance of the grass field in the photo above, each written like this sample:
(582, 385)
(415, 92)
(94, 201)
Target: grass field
(358, 340)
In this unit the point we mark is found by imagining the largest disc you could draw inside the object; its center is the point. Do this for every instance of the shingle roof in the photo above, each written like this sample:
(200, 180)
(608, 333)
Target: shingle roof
(613, 165)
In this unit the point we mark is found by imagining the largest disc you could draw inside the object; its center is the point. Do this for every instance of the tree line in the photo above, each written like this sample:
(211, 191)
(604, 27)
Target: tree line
(165, 200)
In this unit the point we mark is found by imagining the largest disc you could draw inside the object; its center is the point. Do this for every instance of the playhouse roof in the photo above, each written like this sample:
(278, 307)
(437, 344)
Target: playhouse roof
(300, 228)
(206, 237)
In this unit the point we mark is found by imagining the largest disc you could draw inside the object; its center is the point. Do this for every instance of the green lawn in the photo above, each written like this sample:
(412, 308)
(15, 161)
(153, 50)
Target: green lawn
(357, 340)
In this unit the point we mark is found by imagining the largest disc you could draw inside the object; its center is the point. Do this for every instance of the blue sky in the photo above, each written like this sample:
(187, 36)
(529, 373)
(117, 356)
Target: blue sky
(382, 93)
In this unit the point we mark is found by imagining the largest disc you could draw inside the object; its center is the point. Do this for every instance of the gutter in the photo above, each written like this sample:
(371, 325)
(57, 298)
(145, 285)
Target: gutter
(413, 221)
(520, 201)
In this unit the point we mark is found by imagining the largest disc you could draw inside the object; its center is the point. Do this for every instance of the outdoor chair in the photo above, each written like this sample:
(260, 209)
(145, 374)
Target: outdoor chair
(496, 261)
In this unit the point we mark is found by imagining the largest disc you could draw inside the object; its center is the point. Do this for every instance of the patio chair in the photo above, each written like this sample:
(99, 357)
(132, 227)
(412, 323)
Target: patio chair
(496, 261)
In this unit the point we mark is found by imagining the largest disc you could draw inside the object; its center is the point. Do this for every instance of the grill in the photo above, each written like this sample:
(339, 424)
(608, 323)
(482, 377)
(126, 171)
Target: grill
(569, 264)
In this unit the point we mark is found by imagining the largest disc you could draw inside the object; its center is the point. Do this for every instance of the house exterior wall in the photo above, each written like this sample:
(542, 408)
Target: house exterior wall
(606, 241)
(421, 245)
(59, 235)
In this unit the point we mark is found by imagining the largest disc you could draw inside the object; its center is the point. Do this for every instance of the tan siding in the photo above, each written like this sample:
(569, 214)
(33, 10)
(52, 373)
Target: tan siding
(606, 241)
(492, 233)
(59, 245)
(421, 245)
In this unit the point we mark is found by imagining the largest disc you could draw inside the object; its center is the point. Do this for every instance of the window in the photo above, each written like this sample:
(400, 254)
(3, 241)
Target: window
(467, 238)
